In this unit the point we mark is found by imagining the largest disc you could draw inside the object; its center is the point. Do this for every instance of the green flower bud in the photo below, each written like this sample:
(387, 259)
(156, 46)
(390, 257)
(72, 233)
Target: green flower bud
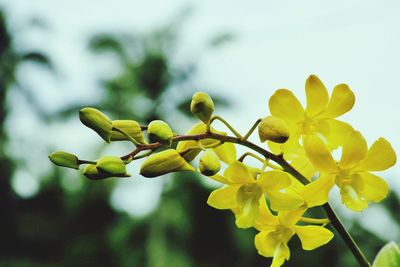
(273, 129)
(113, 166)
(164, 162)
(160, 131)
(91, 172)
(130, 127)
(190, 149)
(210, 164)
(64, 159)
(202, 106)
(97, 121)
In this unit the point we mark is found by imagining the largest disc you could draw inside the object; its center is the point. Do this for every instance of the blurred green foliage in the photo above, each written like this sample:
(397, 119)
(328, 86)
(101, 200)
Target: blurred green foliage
(57, 227)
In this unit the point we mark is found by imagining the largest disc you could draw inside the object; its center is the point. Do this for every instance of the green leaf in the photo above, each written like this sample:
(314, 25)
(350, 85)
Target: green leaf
(388, 256)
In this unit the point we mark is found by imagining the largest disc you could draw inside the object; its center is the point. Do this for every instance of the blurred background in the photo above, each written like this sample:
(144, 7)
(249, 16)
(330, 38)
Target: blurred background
(143, 60)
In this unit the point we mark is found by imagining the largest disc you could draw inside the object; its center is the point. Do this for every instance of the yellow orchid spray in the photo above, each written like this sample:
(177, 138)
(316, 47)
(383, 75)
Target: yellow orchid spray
(271, 197)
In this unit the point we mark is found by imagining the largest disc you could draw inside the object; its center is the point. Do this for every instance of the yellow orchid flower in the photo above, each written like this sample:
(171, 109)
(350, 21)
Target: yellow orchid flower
(318, 118)
(352, 173)
(319, 115)
(244, 188)
(276, 232)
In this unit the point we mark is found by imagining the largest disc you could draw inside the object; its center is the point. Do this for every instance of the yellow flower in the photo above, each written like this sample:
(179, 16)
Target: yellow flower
(243, 190)
(352, 173)
(276, 232)
(318, 118)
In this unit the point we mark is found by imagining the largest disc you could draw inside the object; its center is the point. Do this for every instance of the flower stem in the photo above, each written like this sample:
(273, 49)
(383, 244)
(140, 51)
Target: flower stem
(233, 130)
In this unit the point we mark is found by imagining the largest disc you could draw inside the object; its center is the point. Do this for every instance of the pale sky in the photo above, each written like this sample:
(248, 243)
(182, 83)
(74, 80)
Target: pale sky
(278, 44)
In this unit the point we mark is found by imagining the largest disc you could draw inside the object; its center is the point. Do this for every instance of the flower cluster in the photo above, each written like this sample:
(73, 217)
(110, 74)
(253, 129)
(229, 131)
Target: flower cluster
(268, 197)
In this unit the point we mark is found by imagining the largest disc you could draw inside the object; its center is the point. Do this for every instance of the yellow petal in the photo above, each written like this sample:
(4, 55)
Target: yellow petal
(312, 236)
(375, 188)
(354, 150)
(266, 242)
(342, 100)
(319, 155)
(274, 180)
(316, 193)
(380, 156)
(286, 200)
(350, 192)
(338, 133)
(317, 95)
(223, 198)
(304, 166)
(220, 178)
(265, 221)
(281, 254)
(238, 173)
(290, 218)
(283, 104)
(226, 152)
(248, 199)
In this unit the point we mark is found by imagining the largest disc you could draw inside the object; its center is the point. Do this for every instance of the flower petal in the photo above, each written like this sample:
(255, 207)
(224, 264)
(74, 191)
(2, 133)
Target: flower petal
(274, 180)
(380, 156)
(342, 101)
(226, 152)
(338, 133)
(316, 193)
(354, 150)
(319, 155)
(265, 221)
(317, 95)
(283, 104)
(304, 166)
(287, 200)
(351, 193)
(375, 188)
(312, 236)
(223, 198)
(266, 242)
(220, 178)
(238, 173)
(248, 199)
(290, 218)
(281, 254)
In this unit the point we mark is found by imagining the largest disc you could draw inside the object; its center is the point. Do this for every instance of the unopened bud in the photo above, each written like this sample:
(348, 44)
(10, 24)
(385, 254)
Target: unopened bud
(202, 106)
(190, 149)
(97, 121)
(164, 162)
(209, 164)
(130, 127)
(159, 131)
(64, 159)
(113, 166)
(91, 172)
(273, 129)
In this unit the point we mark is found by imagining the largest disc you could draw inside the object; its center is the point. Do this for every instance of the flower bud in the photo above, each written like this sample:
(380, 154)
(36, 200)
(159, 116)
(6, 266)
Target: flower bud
(190, 149)
(91, 172)
(202, 106)
(130, 127)
(164, 162)
(209, 164)
(97, 121)
(113, 166)
(273, 129)
(64, 159)
(159, 131)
